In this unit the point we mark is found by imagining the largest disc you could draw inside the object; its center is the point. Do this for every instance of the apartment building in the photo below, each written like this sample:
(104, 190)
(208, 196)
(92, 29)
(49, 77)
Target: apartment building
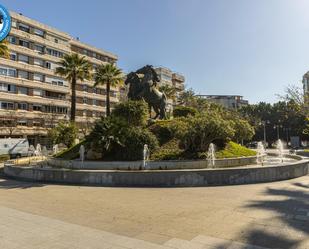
(306, 82)
(32, 97)
(173, 79)
(227, 101)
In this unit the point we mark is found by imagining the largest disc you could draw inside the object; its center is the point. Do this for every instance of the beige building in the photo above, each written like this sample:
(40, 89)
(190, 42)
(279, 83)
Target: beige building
(32, 96)
(173, 79)
(228, 101)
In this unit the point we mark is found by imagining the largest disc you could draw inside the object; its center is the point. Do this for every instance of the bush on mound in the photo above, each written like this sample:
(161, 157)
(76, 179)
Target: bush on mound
(234, 150)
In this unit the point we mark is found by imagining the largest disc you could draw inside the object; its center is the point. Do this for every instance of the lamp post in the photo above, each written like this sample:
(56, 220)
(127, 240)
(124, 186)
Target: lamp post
(278, 126)
(264, 122)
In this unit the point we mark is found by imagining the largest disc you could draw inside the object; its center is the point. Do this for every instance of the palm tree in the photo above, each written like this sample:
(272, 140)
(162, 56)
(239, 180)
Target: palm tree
(4, 50)
(187, 97)
(73, 68)
(170, 91)
(109, 75)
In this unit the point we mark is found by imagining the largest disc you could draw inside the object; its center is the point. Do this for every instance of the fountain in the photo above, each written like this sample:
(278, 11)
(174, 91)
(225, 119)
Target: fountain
(211, 157)
(82, 153)
(145, 156)
(55, 149)
(38, 150)
(261, 152)
(279, 147)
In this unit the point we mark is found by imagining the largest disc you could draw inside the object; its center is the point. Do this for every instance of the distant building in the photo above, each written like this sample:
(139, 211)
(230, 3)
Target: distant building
(173, 79)
(306, 82)
(228, 101)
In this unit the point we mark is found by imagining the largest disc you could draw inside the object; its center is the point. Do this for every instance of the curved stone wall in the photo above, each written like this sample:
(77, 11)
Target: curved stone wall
(161, 178)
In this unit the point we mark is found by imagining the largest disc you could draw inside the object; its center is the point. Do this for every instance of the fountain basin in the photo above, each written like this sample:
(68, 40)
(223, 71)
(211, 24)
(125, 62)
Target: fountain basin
(160, 178)
(151, 165)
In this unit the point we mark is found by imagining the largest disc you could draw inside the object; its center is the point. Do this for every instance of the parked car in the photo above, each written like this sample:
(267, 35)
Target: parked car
(14, 147)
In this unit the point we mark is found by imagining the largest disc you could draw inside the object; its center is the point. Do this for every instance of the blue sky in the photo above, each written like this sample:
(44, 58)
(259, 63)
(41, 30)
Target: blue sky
(252, 48)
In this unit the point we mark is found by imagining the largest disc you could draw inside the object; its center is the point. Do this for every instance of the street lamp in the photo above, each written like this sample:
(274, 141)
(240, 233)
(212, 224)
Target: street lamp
(278, 126)
(264, 123)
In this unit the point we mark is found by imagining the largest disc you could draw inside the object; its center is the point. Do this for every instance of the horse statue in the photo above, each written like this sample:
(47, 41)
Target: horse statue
(143, 86)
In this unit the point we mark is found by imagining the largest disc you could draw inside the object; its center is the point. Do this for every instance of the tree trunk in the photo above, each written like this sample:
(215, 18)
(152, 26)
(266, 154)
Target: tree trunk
(108, 108)
(73, 99)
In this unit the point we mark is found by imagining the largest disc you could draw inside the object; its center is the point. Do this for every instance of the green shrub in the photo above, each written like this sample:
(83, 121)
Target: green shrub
(135, 113)
(133, 144)
(107, 133)
(169, 151)
(4, 158)
(203, 129)
(70, 153)
(162, 130)
(234, 150)
(184, 111)
(64, 132)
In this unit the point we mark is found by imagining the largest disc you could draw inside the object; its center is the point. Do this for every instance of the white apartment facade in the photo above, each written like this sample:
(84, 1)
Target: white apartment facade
(32, 97)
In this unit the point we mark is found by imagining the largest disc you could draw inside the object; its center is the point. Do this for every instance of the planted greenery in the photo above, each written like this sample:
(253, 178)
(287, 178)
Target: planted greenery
(234, 150)
(70, 153)
(184, 111)
(64, 132)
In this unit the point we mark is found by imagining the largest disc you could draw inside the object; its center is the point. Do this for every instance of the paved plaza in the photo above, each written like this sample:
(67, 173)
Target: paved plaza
(39, 216)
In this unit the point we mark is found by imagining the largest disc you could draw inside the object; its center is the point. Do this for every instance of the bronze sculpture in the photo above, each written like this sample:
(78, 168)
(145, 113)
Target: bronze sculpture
(143, 85)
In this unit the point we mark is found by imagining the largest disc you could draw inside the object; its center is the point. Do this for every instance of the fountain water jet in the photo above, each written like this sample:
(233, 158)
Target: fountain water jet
(261, 152)
(211, 157)
(279, 147)
(145, 156)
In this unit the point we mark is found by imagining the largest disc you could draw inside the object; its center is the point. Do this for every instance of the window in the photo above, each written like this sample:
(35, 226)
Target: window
(38, 48)
(7, 105)
(85, 100)
(12, 72)
(11, 88)
(14, 23)
(37, 108)
(94, 102)
(85, 88)
(47, 65)
(7, 71)
(38, 32)
(23, 90)
(37, 92)
(23, 58)
(24, 27)
(23, 74)
(24, 43)
(22, 122)
(11, 39)
(38, 77)
(22, 106)
(38, 62)
(13, 56)
(60, 83)
(54, 52)
(3, 87)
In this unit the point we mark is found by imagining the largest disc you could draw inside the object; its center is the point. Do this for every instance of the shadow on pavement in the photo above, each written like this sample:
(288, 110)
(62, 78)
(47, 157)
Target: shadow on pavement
(292, 210)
